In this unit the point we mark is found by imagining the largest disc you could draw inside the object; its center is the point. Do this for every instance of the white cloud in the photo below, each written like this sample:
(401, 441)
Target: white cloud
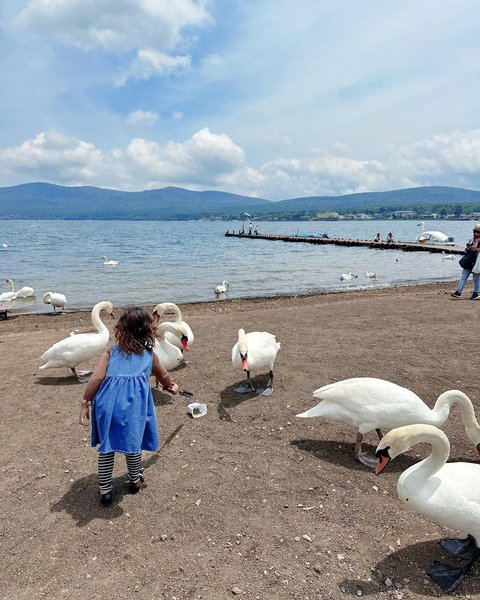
(142, 116)
(118, 26)
(149, 63)
(209, 160)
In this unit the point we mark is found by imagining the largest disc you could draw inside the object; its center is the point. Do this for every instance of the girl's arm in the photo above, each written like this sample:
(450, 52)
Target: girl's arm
(92, 386)
(163, 376)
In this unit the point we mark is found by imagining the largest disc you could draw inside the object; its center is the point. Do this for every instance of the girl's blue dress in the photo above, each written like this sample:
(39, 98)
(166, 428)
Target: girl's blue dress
(123, 413)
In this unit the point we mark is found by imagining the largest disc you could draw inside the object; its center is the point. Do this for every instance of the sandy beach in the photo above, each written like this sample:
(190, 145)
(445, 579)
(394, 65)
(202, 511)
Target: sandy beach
(248, 501)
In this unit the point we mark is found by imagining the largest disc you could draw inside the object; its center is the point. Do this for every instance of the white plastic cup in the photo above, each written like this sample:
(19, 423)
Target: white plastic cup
(197, 409)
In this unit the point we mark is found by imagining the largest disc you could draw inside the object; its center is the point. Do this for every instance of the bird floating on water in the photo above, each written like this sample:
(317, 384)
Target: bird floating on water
(222, 287)
(348, 276)
(24, 292)
(371, 274)
(109, 263)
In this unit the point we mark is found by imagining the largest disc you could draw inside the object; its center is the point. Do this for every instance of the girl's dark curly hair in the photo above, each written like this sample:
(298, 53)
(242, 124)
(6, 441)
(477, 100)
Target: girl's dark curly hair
(135, 331)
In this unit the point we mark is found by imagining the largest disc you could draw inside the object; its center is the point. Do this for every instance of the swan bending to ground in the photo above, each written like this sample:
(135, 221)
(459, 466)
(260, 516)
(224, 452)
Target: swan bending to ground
(445, 493)
(368, 403)
(165, 307)
(222, 287)
(433, 237)
(255, 351)
(348, 276)
(77, 349)
(169, 355)
(109, 263)
(55, 299)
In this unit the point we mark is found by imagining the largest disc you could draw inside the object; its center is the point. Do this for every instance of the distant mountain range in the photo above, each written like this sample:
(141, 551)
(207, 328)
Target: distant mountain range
(47, 201)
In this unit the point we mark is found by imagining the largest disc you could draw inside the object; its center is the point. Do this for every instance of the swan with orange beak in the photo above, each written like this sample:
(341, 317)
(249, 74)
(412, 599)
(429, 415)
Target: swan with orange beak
(255, 351)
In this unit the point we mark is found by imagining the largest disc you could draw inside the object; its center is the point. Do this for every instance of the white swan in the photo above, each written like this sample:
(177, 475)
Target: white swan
(222, 287)
(77, 349)
(182, 344)
(24, 292)
(255, 351)
(433, 237)
(371, 274)
(4, 245)
(8, 296)
(368, 403)
(55, 299)
(348, 276)
(170, 356)
(109, 263)
(445, 493)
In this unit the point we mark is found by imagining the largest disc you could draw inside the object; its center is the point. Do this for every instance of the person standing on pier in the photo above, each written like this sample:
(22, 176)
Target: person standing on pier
(467, 262)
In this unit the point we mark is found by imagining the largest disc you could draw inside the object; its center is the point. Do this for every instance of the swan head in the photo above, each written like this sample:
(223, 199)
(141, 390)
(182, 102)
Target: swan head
(163, 308)
(401, 439)
(46, 297)
(243, 349)
(105, 305)
(177, 329)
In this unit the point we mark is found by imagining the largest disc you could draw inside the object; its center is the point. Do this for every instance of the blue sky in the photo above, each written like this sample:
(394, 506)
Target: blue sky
(275, 99)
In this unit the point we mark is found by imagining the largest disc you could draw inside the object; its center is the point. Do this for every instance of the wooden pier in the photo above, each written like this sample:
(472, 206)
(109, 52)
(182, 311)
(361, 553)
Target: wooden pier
(308, 239)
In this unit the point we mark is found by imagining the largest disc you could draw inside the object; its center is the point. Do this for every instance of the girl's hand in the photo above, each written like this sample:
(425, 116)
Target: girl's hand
(173, 389)
(84, 414)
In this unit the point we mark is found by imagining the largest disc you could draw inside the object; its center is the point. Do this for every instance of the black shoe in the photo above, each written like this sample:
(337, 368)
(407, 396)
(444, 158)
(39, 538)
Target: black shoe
(474, 296)
(455, 294)
(136, 486)
(106, 499)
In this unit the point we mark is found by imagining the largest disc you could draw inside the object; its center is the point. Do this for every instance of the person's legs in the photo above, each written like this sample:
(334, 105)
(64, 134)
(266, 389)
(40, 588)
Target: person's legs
(463, 280)
(105, 474)
(135, 472)
(476, 285)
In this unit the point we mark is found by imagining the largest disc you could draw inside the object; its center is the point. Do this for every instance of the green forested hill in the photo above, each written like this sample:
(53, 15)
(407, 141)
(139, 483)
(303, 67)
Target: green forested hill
(47, 201)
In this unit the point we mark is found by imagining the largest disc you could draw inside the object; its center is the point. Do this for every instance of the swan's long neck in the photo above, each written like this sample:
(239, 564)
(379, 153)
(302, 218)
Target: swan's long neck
(10, 281)
(437, 458)
(178, 313)
(98, 323)
(442, 407)
(242, 341)
(162, 328)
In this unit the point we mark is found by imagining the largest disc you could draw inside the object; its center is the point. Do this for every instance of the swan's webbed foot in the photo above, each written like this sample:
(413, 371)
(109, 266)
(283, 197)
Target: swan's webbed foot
(465, 549)
(368, 460)
(183, 362)
(245, 388)
(446, 576)
(264, 391)
(82, 376)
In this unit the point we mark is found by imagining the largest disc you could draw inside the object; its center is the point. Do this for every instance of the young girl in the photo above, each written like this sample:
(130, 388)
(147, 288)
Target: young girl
(123, 413)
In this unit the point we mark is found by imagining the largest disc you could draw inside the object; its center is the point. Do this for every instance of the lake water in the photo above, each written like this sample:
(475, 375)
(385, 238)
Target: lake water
(184, 261)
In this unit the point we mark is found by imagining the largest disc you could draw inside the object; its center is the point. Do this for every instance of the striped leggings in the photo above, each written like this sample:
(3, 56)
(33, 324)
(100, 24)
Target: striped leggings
(105, 469)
